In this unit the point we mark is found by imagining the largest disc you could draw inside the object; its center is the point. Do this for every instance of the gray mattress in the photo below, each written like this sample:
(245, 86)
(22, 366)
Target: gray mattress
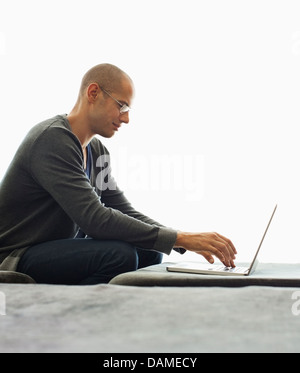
(115, 318)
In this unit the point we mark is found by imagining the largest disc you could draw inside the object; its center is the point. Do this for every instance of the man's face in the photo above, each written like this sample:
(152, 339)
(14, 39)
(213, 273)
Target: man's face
(106, 118)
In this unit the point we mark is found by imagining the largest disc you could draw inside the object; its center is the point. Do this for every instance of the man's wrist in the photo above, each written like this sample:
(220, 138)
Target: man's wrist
(180, 240)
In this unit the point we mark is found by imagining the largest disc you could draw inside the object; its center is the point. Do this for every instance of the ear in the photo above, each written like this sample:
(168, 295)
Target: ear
(92, 92)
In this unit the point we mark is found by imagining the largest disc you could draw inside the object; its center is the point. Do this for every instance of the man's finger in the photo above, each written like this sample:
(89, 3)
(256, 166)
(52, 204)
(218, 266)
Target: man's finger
(207, 256)
(220, 255)
(224, 246)
(229, 243)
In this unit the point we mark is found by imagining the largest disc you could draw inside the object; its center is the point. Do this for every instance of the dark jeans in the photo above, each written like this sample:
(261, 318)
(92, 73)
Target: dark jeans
(83, 261)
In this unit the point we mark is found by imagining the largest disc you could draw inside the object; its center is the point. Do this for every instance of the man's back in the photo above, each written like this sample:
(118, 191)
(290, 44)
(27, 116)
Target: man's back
(28, 213)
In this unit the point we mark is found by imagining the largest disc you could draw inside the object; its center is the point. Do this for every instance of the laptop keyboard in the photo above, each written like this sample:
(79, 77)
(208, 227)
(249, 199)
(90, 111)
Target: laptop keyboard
(235, 269)
(228, 269)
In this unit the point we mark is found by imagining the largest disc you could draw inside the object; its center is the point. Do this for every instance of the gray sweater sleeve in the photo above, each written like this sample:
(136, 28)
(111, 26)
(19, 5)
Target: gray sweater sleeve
(56, 164)
(116, 199)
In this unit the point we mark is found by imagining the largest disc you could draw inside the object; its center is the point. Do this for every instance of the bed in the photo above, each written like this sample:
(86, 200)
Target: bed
(151, 318)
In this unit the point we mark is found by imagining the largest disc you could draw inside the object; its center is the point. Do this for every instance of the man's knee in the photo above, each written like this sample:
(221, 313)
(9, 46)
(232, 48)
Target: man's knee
(148, 257)
(126, 256)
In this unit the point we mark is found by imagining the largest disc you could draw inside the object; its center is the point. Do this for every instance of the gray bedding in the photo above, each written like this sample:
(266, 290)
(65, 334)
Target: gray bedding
(114, 318)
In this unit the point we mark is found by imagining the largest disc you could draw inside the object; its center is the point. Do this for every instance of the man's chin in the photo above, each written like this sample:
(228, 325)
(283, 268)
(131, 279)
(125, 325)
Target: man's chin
(107, 135)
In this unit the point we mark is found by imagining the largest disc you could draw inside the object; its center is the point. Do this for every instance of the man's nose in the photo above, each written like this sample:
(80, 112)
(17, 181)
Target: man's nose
(124, 117)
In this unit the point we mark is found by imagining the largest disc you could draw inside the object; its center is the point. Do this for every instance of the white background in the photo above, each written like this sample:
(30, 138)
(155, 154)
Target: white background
(213, 141)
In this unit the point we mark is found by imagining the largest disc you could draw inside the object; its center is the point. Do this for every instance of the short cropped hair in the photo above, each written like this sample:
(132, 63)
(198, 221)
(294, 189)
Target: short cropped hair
(108, 76)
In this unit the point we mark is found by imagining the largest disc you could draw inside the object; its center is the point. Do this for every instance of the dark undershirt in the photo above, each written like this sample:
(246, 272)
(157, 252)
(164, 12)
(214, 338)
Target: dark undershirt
(80, 233)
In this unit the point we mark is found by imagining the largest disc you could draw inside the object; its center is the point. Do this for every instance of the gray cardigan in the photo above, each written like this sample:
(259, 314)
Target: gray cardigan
(45, 195)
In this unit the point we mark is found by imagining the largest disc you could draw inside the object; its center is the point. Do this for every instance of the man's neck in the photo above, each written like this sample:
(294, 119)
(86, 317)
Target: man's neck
(79, 128)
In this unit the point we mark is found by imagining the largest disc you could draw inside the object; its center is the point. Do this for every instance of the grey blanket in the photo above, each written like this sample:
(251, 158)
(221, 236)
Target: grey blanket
(113, 318)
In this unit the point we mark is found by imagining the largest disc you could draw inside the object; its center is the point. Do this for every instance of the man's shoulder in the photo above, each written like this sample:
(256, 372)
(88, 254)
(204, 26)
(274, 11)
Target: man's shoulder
(59, 121)
(55, 129)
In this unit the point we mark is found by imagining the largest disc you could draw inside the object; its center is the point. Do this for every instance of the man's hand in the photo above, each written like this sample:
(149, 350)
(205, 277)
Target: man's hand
(208, 244)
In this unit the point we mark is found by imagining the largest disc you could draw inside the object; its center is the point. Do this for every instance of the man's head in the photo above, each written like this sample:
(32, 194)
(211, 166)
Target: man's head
(105, 94)
(110, 77)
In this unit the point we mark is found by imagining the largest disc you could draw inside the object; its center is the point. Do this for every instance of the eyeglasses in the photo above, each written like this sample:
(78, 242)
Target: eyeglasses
(123, 107)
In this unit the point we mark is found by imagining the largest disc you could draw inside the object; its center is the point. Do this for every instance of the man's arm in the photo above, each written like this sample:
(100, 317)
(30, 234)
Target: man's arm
(111, 195)
(117, 200)
(206, 244)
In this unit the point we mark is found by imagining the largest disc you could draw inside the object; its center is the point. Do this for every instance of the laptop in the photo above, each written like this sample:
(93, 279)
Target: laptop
(213, 269)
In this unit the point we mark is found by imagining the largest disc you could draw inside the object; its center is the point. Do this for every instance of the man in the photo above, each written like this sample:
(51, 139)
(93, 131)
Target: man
(63, 220)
